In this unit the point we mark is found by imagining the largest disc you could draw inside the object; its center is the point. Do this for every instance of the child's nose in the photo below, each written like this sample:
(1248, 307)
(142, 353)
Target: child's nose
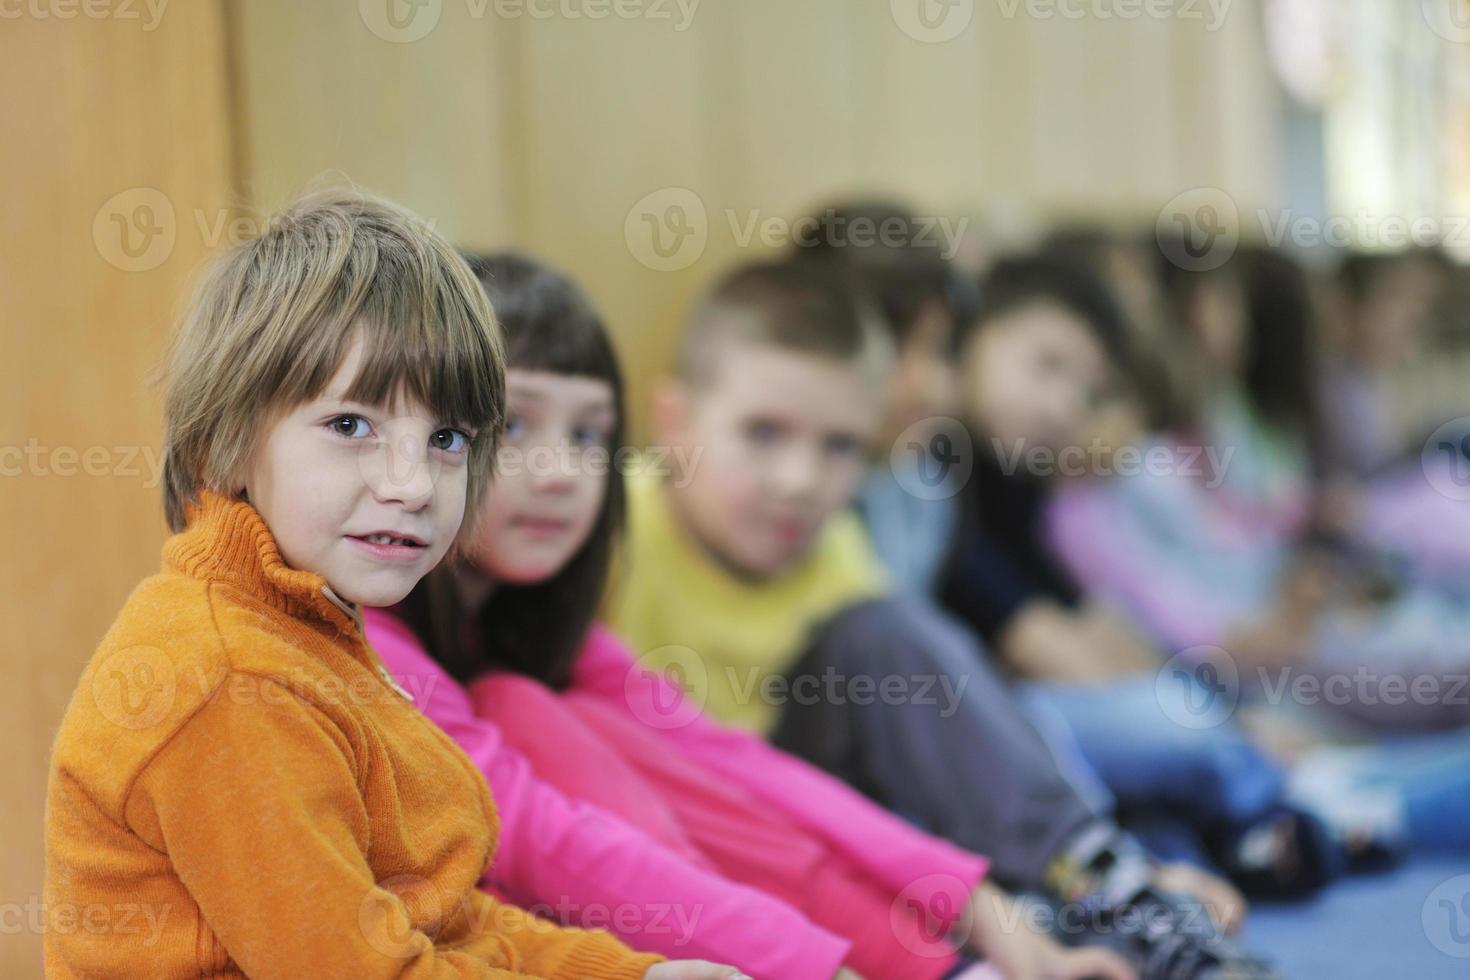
(798, 472)
(403, 474)
(554, 482)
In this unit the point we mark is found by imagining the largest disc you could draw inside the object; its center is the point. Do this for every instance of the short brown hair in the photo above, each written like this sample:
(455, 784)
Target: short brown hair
(268, 326)
(799, 306)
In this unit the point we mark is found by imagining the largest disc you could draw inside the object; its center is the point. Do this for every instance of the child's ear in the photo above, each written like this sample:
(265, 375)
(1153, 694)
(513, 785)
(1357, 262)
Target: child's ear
(671, 408)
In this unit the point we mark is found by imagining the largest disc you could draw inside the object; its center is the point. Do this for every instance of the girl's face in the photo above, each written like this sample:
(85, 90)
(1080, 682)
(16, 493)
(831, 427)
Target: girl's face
(550, 478)
(1033, 376)
(369, 497)
(1219, 317)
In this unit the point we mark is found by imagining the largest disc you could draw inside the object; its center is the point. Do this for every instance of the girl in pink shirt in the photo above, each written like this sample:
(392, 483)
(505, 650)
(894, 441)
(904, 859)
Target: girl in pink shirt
(620, 805)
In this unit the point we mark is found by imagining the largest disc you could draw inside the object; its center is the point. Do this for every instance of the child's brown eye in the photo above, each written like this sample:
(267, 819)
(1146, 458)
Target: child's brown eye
(842, 445)
(586, 436)
(350, 426)
(762, 432)
(450, 440)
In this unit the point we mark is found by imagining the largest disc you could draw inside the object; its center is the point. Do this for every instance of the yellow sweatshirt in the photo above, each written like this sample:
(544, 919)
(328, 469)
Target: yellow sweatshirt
(724, 638)
(238, 789)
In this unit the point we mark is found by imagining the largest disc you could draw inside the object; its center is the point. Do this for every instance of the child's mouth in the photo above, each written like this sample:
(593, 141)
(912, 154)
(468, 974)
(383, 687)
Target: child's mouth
(542, 527)
(388, 546)
(790, 532)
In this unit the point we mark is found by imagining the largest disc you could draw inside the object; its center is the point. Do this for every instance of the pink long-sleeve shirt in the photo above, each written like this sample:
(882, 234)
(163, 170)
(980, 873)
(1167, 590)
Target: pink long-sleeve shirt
(556, 849)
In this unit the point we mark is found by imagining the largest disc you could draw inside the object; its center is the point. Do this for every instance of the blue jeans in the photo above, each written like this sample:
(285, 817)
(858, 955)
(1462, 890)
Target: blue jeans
(1424, 778)
(1139, 739)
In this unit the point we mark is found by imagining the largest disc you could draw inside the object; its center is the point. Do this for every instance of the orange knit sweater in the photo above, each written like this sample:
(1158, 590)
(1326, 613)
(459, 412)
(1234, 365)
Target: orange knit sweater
(237, 789)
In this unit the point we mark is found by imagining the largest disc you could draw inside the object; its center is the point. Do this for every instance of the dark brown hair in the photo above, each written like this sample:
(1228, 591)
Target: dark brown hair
(800, 306)
(898, 268)
(537, 629)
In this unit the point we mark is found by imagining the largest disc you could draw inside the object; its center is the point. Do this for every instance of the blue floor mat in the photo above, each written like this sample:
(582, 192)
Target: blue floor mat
(1409, 924)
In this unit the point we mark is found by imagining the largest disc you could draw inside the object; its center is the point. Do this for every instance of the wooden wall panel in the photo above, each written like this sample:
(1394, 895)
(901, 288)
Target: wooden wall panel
(549, 132)
(101, 116)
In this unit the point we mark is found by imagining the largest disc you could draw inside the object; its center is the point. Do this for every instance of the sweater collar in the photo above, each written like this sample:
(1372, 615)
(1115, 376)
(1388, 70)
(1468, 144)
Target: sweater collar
(226, 540)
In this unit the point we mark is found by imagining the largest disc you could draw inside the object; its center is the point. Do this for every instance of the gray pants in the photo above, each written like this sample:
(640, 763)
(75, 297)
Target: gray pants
(934, 734)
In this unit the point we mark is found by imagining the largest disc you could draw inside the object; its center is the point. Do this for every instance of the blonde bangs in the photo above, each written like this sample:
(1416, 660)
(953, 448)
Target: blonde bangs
(269, 326)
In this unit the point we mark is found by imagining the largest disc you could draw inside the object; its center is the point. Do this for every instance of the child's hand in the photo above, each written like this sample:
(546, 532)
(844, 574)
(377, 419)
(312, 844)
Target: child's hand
(1049, 643)
(999, 931)
(1338, 507)
(1224, 903)
(693, 970)
(1126, 650)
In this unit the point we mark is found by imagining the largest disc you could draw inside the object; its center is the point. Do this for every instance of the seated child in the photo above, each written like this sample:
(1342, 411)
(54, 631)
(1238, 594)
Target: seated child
(1378, 311)
(790, 871)
(1379, 467)
(235, 756)
(1193, 550)
(1024, 387)
(1035, 362)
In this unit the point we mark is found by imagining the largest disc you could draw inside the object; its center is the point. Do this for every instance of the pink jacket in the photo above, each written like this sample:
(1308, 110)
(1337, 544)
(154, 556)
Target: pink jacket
(554, 849)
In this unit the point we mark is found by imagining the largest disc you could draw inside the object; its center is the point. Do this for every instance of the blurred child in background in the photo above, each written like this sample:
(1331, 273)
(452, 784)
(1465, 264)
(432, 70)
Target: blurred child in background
(1037, 361)
(1377, 314)
(746, 575)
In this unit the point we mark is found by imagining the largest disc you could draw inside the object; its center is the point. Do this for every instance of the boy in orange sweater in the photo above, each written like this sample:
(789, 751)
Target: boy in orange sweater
(235, 767)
